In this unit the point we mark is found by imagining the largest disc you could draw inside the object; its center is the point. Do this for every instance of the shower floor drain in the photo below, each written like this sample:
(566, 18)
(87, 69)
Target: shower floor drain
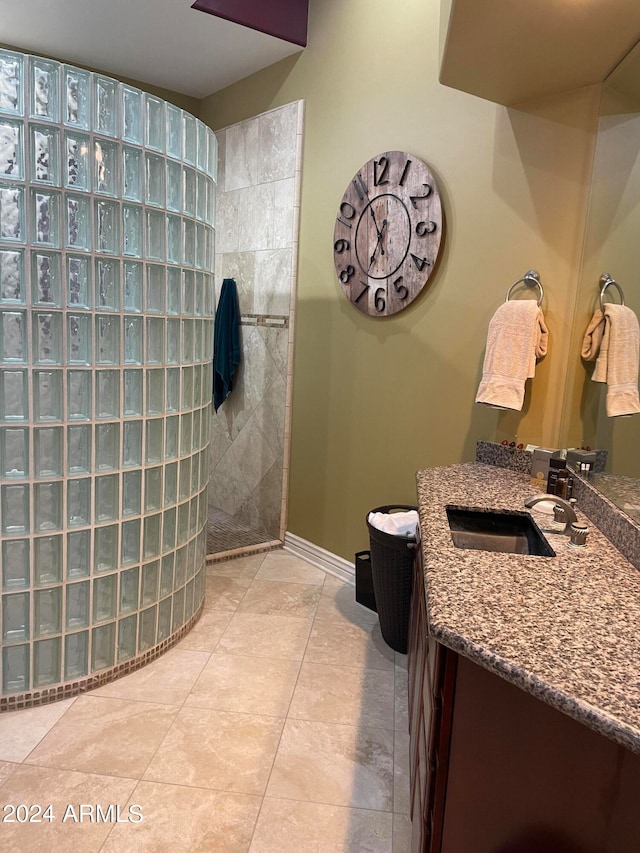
(225, 533)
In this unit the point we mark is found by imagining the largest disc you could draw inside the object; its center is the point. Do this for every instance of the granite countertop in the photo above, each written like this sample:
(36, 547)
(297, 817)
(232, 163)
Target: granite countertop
(565, 629)
(623, 491)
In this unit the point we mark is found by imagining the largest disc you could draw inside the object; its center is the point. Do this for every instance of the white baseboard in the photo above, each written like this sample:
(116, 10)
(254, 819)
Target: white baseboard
(317, 556)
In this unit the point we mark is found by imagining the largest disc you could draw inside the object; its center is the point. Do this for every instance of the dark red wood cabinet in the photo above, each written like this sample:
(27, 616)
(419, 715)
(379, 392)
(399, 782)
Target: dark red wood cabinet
(495, 770)
(432, 669)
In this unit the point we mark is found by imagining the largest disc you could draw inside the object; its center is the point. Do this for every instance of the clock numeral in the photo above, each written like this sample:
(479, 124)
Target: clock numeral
(379, 300)
(422, 228)
(362, 191)
(420, 263)
(346, 274)
(415, 198)
(401, 289)
(348, 211)
(365, 288)
(383, 165)
(405, 172)
(341, 246)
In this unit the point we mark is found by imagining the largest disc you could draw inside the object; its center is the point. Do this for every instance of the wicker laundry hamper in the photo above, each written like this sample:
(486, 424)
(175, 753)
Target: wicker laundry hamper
(392, 569)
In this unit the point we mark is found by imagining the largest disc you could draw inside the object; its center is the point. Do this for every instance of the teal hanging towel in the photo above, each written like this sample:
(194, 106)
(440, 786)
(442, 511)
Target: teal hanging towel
(226, 342)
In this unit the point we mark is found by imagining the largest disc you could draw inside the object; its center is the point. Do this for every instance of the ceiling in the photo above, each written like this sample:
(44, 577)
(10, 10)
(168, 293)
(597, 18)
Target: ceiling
(162, 42)
(511, 50)
(626, 77)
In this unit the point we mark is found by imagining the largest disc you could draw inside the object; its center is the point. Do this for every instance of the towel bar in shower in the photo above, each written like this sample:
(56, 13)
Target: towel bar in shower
(277, 321)
(606, 281)
(530, 279)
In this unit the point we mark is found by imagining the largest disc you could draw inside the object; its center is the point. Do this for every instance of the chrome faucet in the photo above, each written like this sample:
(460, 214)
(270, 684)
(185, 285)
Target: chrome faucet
(569, 511)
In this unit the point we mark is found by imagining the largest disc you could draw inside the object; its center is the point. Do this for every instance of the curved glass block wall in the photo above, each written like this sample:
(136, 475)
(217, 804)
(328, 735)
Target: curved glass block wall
(107, 201)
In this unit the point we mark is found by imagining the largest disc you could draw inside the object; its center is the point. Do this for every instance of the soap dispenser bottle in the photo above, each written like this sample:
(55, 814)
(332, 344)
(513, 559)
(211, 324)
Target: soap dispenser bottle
(562, 483)
(556, 465)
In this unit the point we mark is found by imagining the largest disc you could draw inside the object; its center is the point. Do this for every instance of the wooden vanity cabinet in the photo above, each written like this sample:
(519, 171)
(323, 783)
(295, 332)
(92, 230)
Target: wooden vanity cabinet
(431, 669)
(495, 770)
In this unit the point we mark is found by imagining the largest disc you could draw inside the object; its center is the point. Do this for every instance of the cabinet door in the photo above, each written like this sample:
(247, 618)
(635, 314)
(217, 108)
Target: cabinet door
(416, 670)
(432, 670)
(417, 678)
(541, 780)
(444, 685)
(432, 689)
(416, 628)
(417, 825)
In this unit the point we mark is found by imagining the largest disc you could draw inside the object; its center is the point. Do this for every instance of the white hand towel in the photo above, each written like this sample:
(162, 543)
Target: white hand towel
(612, 340)
(396, 523)
(517, 336)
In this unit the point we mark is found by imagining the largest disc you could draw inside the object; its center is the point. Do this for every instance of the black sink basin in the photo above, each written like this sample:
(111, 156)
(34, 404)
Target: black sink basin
(508, 532)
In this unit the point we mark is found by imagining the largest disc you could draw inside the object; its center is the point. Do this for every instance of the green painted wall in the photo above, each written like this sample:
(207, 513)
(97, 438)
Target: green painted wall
(611, 245)
(376, 399)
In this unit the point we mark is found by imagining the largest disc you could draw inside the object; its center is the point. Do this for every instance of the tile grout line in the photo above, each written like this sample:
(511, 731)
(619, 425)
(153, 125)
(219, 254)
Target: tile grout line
(217, 644)
(364, 668)
(178, 708)
(108, 835)
(11, 772)
(284, 723)
(182, 704)
(388, 730)
(212, 653)
(81, 772)
(392, 730)
(314, 620)
(335, 805)
(48, 732)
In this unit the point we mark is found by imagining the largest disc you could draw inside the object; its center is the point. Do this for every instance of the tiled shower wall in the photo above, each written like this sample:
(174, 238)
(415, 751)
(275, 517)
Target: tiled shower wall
(259, 172)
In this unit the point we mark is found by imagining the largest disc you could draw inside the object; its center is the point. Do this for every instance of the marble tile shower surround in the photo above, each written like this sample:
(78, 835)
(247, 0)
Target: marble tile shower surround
(259, 174)
(107, 206)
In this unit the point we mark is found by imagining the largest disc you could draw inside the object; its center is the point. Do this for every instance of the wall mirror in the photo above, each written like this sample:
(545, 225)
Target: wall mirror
(612, 245)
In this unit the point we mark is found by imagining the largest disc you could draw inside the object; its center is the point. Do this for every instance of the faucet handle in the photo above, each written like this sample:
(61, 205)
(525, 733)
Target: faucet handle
(578, 534)
(559, 514)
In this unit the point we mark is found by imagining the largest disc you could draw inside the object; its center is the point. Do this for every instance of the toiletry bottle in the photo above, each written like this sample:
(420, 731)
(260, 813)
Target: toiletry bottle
(562, 483)
(555, 466)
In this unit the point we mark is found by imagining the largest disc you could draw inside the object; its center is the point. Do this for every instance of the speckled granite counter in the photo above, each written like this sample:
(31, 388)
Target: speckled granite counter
(623, 491)
(565, 629)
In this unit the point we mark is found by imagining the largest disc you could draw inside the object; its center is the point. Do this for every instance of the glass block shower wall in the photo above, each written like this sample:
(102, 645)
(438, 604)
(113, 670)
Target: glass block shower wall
(107, 203)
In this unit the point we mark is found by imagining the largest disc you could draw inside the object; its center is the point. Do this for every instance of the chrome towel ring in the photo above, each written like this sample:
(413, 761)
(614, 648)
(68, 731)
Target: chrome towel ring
(531, 279)
(608, 281)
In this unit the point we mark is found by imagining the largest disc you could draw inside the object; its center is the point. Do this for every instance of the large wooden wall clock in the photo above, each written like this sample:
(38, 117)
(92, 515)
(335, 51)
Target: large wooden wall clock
(387, 234)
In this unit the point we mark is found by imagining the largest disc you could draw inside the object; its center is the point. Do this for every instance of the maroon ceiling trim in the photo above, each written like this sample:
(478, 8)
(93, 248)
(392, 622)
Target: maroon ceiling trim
(284, 19)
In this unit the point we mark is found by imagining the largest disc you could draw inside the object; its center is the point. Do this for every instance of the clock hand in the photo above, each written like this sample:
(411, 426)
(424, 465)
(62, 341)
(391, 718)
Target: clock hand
(379, 243)
(363, 189)
(378, 230)
(380, 233)
(375, 249)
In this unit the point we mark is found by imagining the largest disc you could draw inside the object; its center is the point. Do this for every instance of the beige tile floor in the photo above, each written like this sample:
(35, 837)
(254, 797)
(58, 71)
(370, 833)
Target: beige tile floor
(278, 724)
